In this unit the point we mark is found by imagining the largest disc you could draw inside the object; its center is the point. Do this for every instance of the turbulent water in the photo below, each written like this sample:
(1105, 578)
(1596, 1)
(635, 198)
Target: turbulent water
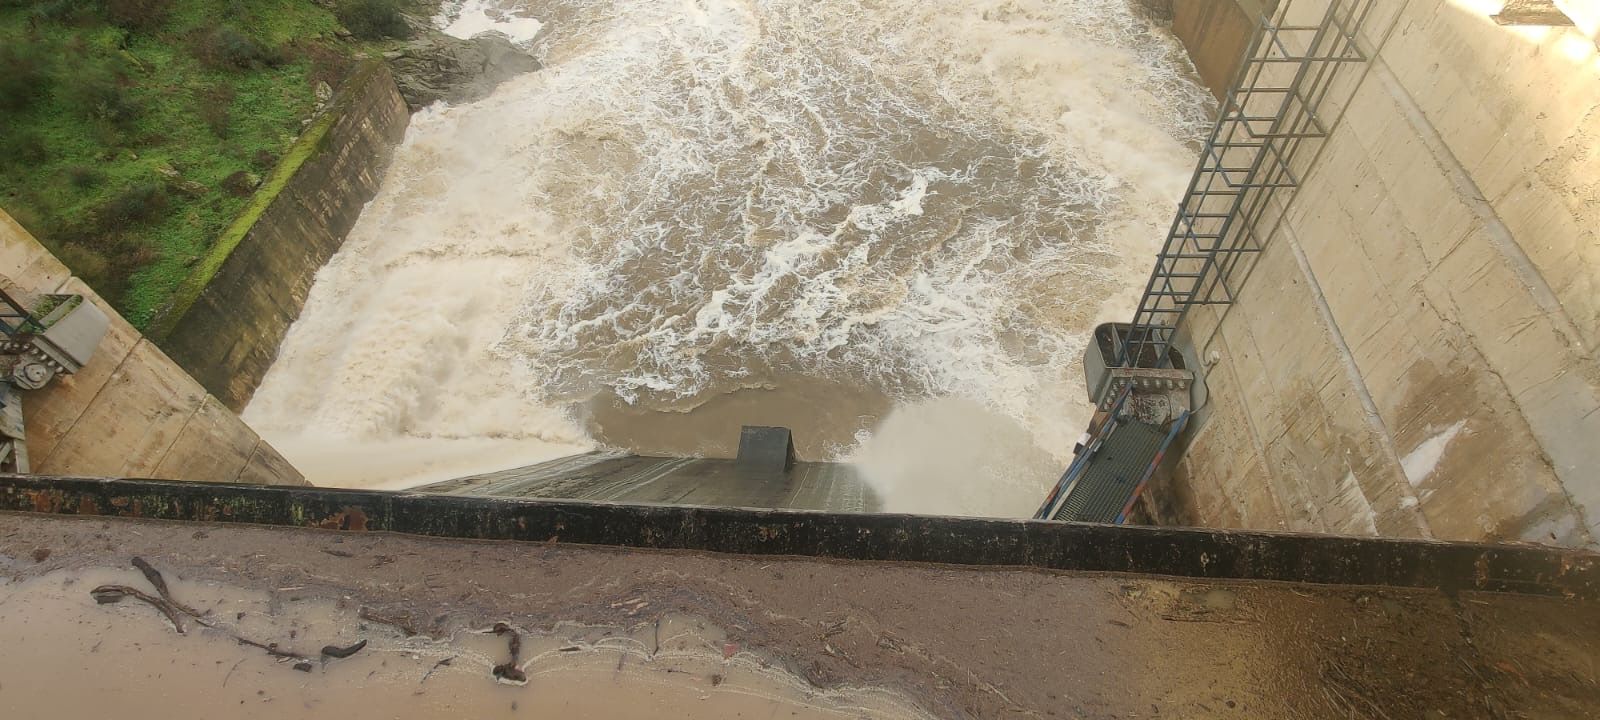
(886, 224)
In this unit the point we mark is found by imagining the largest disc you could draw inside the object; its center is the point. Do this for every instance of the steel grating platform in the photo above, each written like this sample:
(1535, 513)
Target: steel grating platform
(1104, 487)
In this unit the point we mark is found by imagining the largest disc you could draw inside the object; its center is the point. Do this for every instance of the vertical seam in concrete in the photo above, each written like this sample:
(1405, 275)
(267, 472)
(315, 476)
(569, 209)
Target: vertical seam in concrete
(1473, 344)
(1503, 242)
(175, 436)
(1353, 373)
(1499, 236)
(162, 461)
(255, 450)
(1286, 206)
(1255, 434)
(1346, 359)
(1313, 513)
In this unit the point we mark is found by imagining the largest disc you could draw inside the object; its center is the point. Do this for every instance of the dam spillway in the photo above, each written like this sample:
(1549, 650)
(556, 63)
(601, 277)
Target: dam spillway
(1384, 356)
(620, 477)
(699, 217)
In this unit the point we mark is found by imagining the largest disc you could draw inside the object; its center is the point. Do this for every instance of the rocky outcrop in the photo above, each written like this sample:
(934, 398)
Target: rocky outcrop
(440, 67)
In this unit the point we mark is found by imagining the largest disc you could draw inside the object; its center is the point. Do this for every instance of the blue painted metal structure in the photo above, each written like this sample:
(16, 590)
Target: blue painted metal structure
(1109, 473)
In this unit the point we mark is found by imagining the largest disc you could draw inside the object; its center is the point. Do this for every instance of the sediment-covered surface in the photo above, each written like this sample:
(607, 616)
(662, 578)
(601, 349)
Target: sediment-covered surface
(628, 633)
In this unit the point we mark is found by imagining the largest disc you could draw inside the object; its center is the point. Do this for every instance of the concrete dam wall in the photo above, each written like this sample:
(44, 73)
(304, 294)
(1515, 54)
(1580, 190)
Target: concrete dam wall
(1216, 33)
(131, 411)
(1413, 353)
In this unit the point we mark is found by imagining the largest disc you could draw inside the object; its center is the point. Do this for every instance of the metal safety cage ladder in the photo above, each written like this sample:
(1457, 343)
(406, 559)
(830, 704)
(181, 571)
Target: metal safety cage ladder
(1268, 115)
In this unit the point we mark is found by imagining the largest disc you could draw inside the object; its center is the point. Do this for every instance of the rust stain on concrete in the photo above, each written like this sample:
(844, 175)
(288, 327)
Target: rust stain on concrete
(350, 518)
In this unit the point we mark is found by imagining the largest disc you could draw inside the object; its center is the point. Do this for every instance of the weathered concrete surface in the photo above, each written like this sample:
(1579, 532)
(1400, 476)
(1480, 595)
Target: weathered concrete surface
(1184, 552)
(226, 328)
(1415, 352)
(131, 411)
(958, 641)
(1216, 32)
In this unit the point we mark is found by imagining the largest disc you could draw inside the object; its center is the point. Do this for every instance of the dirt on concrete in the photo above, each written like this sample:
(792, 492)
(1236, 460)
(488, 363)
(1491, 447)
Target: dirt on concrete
(854, 639)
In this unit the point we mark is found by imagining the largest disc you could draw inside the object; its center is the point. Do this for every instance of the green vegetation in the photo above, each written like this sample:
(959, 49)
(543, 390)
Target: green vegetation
(190, 288)
(131, 131)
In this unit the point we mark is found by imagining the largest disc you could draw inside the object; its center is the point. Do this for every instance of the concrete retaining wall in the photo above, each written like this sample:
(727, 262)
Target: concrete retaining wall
(1216, 32)
(1414, 353)
(228, 318)
(130, 410)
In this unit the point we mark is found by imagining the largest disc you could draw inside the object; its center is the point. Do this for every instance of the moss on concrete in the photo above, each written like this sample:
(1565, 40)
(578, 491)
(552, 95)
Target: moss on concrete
(226, 318)
(303, 149)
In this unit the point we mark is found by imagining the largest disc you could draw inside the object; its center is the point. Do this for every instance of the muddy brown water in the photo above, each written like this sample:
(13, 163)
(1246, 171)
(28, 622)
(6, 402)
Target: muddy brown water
(841, 217)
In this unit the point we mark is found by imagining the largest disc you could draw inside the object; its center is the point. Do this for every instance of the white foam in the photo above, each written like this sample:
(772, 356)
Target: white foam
(953, 456)
(936, 198)
(469, 18)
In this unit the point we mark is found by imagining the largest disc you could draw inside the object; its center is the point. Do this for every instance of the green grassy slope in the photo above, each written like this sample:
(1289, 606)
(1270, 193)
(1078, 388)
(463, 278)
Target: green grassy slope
(106, 99)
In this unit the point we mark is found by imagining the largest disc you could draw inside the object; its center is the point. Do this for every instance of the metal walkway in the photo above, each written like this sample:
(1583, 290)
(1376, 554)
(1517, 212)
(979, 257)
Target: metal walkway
(1108, 474)
(1102, 490)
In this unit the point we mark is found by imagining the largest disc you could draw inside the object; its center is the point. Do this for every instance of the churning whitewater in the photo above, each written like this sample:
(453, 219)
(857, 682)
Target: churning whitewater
(887, 224)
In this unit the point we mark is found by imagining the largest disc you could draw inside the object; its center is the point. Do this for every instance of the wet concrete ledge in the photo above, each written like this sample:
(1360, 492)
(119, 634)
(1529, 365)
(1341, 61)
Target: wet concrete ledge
(1177, 552)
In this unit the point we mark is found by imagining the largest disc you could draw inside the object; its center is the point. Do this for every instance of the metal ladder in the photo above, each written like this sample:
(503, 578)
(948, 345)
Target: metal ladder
(1268, 115)
(1272, 113)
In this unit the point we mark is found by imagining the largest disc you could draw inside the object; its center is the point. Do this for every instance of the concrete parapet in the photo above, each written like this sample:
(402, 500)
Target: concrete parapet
(1080, 547)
